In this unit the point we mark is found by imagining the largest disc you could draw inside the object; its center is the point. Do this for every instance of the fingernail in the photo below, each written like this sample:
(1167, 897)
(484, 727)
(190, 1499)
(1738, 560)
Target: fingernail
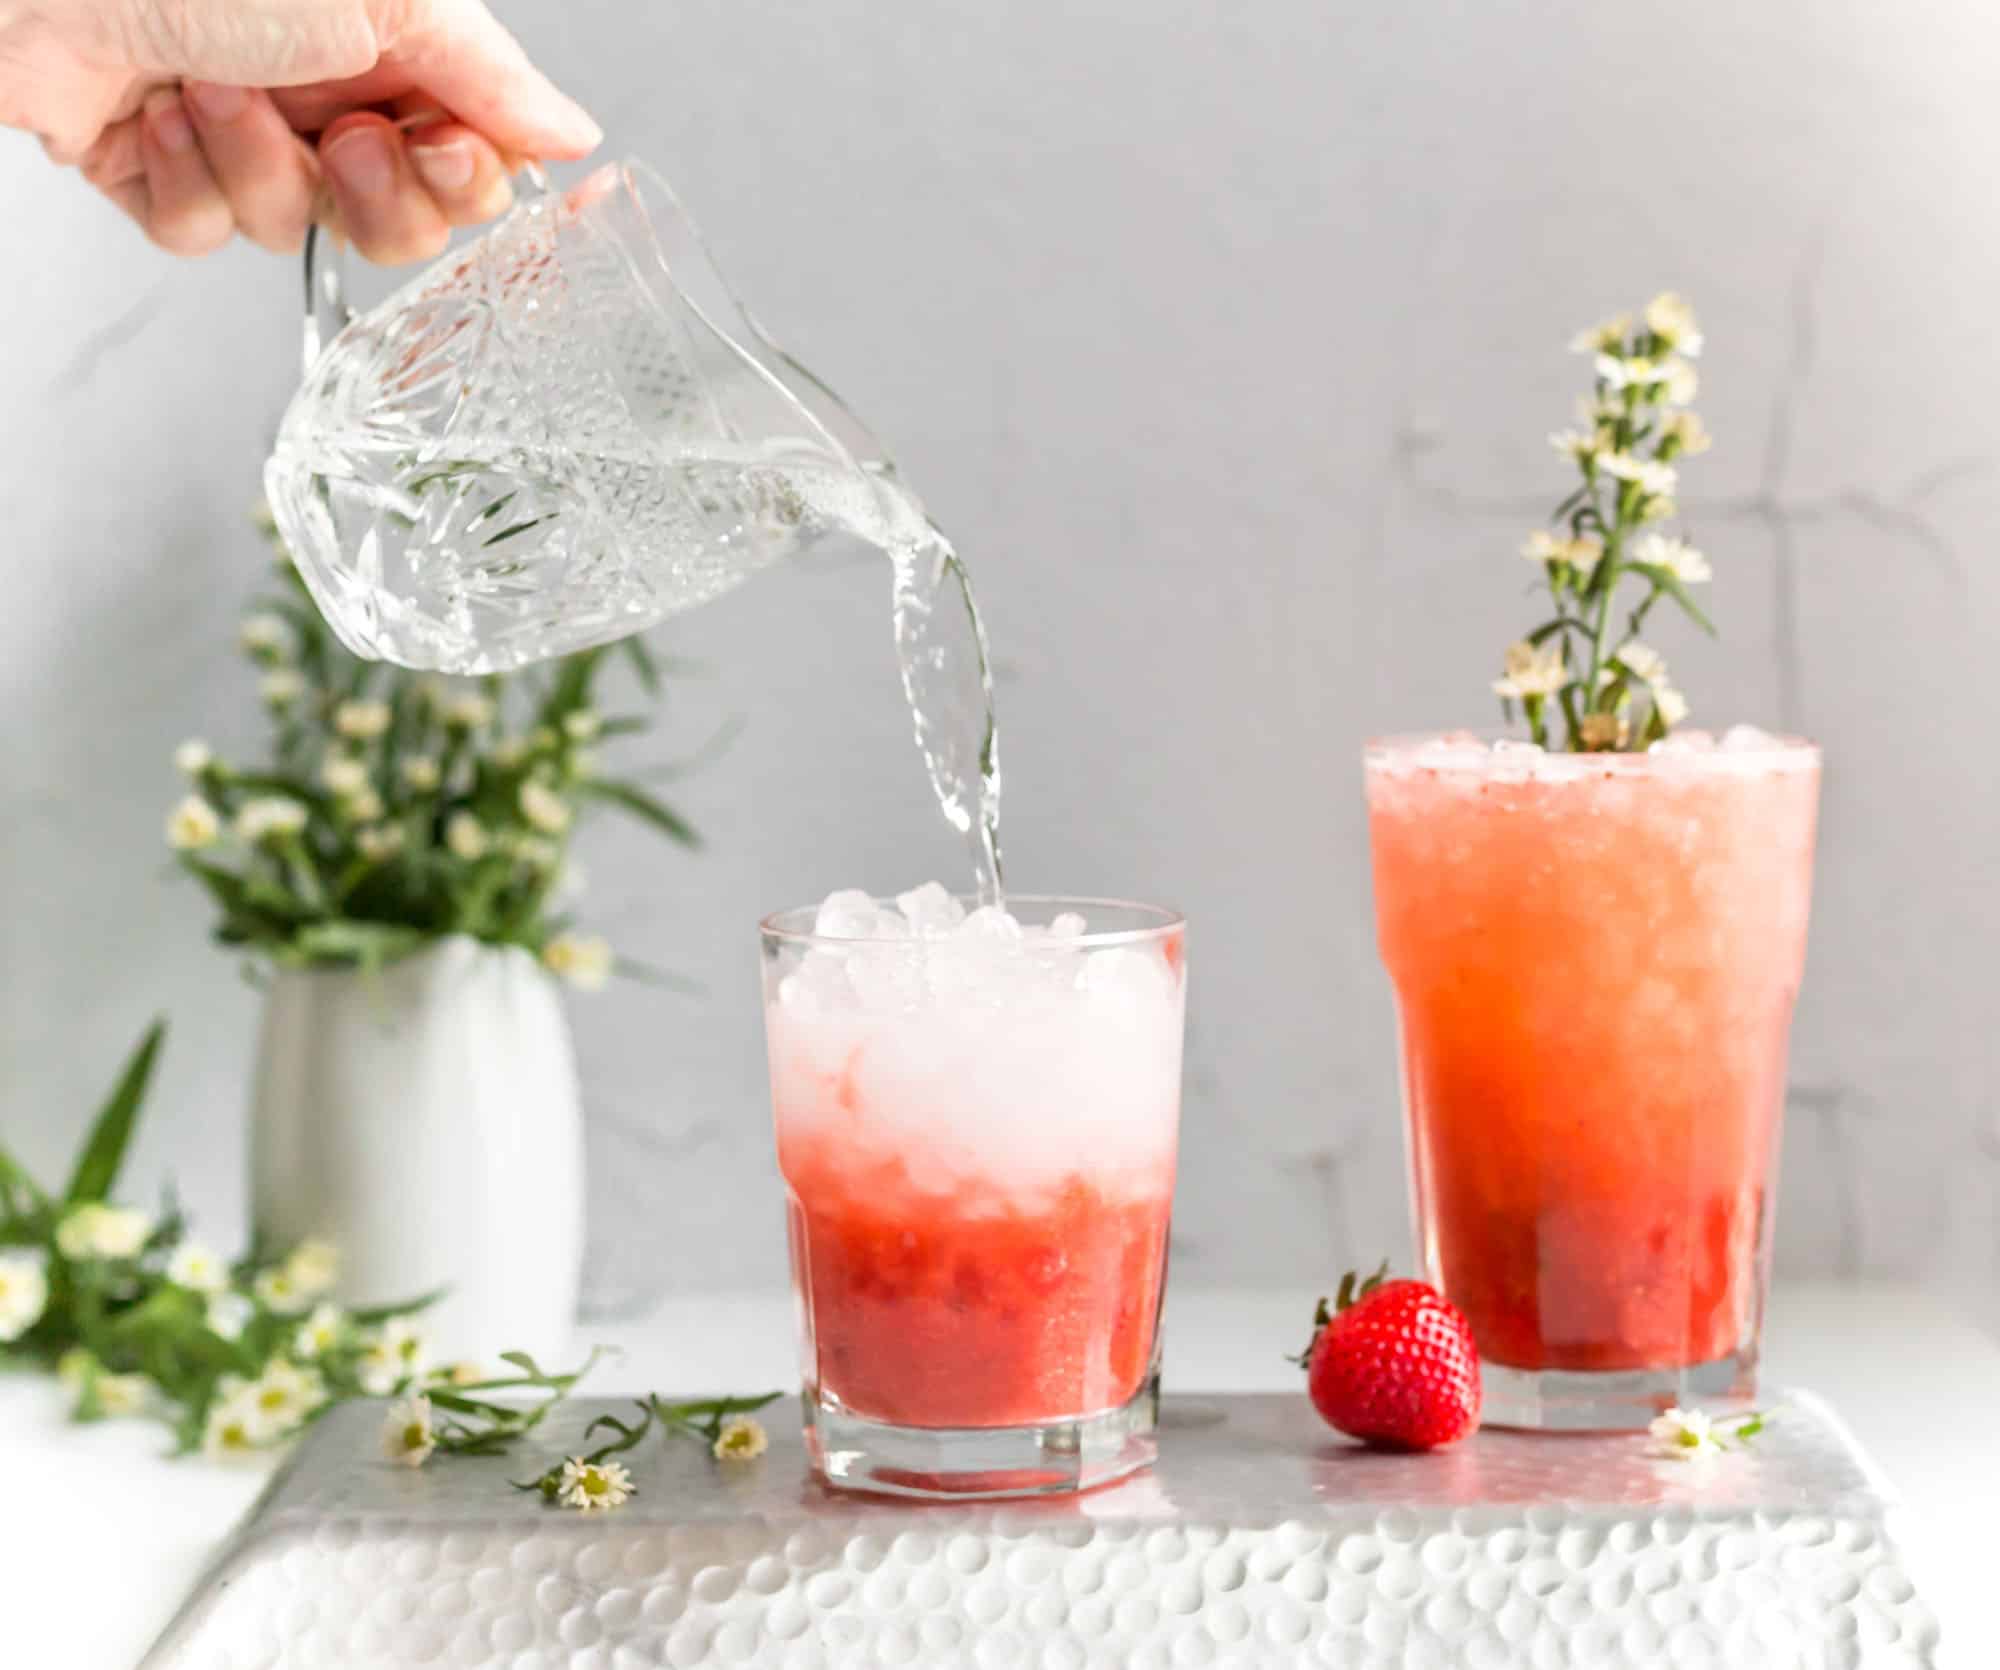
(444, 167)
(578, 125)
(360, 159)
(168, 121)
(216, 102)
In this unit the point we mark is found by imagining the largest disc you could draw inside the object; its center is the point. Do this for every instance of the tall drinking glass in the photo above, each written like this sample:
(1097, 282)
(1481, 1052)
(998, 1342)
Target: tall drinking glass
(977, 1131)
(1595, 958)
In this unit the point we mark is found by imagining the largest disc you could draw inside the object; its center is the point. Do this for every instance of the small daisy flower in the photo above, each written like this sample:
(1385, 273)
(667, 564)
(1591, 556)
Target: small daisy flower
(262, 636)
(231, 1430)
(1644, 663)
(364, 807)
(740, 1438)
(421, 772)
(361, 721)
(228, 1314)
(319, 1333)
(407, 1435)
(534, 852)
(24, 1293)
(588, 1485)
(582, 959)
(192, 825)
(343, 774)
(269, 817)
(277, 1292)
(1676, 556)
(1637, 372)
(467, 713)
(119, 1395)
(1532, 672)
(1682, 381)
(281, 687)
(1543, 546)
(462, 1373)
(1660, 508)
(1685, 1434)
(193, 757)
(100, 1231)
(582, 725)
(379, 842)
(197, 1269)
(1688, 433)
(465, 835)
(1670, 704)
(1602, 338)
(544, 808)
(398, 1353)
(1581, 445)
(1671, 319)
(284, 1395)
(511, 754)
(314, 1265)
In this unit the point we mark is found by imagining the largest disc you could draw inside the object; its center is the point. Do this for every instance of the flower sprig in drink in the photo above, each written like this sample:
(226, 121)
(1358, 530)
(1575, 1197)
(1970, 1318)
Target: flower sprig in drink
(1586, 665)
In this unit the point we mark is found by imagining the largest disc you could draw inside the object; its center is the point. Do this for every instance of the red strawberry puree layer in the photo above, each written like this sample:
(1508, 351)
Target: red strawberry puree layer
(975, 1308)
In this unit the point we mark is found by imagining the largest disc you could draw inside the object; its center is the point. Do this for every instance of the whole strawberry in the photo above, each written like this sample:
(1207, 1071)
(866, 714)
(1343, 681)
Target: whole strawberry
(1393, 1364)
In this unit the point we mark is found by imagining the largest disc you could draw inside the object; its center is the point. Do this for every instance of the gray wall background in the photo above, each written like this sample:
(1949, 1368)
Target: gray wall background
(1225, 339)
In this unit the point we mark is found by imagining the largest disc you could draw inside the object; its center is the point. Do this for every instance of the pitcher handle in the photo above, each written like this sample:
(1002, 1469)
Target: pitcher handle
(327, 309)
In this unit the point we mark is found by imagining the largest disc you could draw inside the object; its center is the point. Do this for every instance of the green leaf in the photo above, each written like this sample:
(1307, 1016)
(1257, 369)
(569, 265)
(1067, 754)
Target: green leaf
(373, 1316)
(370, 944)
(1670, 583)
(111, 1133)
(644, 667)
(642, 805)
(648, 974)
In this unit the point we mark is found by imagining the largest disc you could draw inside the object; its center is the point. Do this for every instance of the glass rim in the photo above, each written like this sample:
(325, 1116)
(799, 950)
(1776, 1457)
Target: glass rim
(1402, 749)
(780, 926)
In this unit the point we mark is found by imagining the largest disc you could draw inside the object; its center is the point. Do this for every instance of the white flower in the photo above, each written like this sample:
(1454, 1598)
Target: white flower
(407, 1435)
(281, 687)
(262, 635)
(467, 713)
(582, 959)
(361, 721)
(1671, 319)
(379, 841)
(1688, 432)
(343, 774)
(269, 817)
(1643, 662)
(510, 754)
(1582, 552)
(1543, 546)
(193, 757)
(24, 1291)
(1676, 556)
(1583, 445)
(1686, 1434)
(464, 1372)
(75, 1366)
(232, 1429)
(122, 1394)
(421, 773)
(466, 836)
(1682, 380)
(228, 1314)
(582, 725)
(544, 808)
(588, 1484)
(99, 1231)
(193, 825)
(314, 1265)
(1598, 338)
(740, 1438)
(284, 1395)
(1655, 480)
(398, 1353)
(1616, 373)
(319, 1333)
(1532, 671)
(534, 852)
(1670, 704)
(276, 1291)
(196, 1268)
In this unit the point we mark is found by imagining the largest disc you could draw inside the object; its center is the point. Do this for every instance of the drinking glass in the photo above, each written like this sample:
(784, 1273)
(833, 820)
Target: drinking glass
(977, 1134)
(1595, 958)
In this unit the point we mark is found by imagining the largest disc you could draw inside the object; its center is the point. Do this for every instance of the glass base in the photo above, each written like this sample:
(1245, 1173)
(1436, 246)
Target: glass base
(1613, 1400)
(972, 1464)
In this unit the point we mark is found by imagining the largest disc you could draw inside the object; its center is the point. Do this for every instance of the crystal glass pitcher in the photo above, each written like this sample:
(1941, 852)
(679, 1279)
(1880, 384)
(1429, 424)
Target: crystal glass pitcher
(558, 434)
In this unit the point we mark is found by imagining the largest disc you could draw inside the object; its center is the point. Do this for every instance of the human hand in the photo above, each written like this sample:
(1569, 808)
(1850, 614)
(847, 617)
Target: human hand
(203, 118)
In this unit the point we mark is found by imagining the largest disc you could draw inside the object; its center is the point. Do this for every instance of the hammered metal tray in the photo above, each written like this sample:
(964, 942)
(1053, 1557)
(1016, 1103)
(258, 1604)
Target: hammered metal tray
(1259, 1539)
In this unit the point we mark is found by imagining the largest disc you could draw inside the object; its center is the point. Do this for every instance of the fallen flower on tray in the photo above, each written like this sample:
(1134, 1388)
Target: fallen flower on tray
(1690, 1435)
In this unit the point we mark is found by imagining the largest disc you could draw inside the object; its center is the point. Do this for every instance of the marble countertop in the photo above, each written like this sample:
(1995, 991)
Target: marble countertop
(102, 1536)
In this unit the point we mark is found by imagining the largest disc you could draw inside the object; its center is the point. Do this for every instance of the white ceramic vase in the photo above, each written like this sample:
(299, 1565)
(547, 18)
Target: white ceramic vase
(427, 1120)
